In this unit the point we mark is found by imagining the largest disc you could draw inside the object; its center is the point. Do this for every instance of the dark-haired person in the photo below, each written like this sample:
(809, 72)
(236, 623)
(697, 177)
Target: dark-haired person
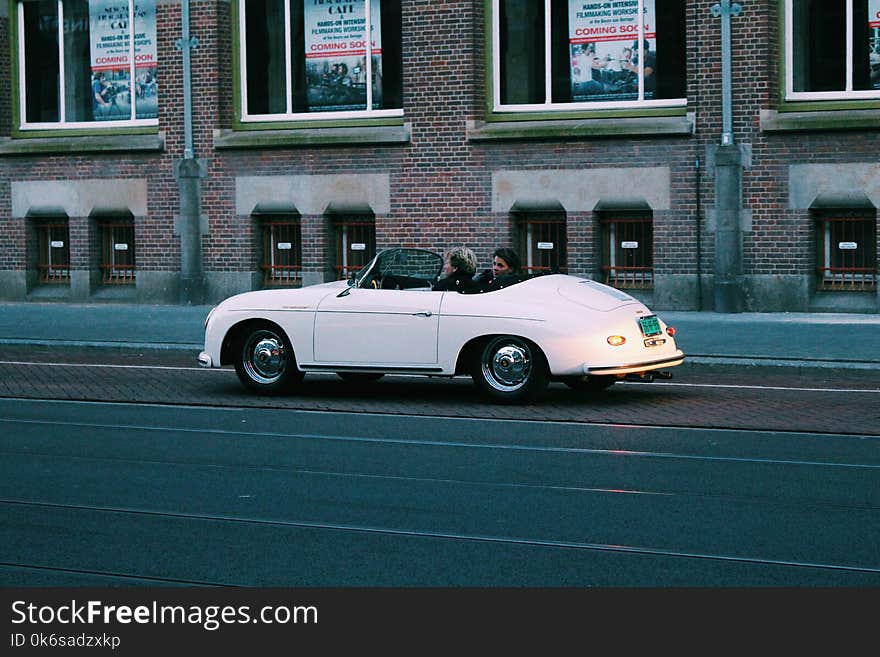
(505, 263)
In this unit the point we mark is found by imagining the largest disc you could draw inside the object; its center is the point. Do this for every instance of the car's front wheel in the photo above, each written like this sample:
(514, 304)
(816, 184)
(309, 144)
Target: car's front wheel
(264, 359)
(509, 369)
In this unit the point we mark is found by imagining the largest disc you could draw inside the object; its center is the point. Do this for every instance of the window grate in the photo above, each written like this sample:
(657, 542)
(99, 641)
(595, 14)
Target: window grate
(355, 245)
(847, 253)
(628, 252)
(282, 253)
(544, 244)
(54, 259)
(117, 253)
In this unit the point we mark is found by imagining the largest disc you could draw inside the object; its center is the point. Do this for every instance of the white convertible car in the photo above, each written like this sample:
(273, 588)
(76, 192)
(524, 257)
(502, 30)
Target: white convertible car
(387, 319)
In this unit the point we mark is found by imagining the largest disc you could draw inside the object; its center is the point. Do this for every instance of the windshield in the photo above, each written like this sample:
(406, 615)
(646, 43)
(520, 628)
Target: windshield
(409, 263)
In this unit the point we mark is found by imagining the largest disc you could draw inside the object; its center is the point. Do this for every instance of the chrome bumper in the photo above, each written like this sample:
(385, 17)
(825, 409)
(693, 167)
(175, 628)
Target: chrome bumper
(678, 359)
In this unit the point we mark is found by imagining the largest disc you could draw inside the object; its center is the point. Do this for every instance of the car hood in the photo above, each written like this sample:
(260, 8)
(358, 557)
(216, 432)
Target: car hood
(305, 298)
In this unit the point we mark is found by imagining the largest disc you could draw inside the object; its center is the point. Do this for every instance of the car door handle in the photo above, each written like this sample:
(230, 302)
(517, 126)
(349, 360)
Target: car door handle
(424, 313)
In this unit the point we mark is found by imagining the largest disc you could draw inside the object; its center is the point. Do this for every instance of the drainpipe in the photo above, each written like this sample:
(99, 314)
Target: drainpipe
(699, 231)
(188, 173)
(728, 160)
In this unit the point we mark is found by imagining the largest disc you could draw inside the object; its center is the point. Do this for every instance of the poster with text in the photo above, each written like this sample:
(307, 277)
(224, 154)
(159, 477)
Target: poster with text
(110, 45)
(336, 54)
(604, 48)
(874, 42)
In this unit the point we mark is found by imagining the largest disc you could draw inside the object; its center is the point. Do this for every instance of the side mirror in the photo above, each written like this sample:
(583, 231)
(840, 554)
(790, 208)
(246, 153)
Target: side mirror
(351, 283)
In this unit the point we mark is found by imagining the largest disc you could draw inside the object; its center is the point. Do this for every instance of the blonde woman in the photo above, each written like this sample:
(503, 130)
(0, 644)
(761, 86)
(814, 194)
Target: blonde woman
(459, 265)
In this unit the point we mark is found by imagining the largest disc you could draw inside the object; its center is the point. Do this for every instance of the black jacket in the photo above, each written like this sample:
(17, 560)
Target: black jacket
(457, 280)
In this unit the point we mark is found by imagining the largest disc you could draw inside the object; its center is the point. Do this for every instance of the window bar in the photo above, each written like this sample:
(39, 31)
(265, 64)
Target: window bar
(132, 67)
(641, 34)
(368, 50)
(611, 276)
(344, 259)
(288, 58)
(242, 56)
(496, 48)
(62, 101)
(827, 276)
(548, 61)
(849, 45)
(529, 247)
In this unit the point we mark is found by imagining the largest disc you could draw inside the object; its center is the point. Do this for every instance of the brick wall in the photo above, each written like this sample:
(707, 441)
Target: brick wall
(441, 183)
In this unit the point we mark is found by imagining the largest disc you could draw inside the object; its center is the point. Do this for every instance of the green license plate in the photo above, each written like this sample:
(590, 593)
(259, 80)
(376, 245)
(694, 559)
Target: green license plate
(650, 325)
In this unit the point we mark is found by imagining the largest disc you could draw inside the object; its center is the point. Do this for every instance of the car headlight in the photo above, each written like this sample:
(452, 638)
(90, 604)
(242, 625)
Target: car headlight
(615, 340)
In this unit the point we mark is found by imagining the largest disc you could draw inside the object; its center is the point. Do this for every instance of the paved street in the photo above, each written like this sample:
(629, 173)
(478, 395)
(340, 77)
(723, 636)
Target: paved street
(124, 463)
(699, 395)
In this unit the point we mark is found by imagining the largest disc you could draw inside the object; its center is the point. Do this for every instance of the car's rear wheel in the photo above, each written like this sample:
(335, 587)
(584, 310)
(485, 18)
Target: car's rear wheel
(360, 377)
(509, 369)
(264, 359)
(590, 383)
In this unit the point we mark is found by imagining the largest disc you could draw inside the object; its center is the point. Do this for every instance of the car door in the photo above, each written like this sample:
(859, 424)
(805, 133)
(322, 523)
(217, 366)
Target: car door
(396, 328)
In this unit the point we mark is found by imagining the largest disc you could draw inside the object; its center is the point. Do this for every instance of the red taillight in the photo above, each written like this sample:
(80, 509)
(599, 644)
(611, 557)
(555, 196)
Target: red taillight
(670, 331)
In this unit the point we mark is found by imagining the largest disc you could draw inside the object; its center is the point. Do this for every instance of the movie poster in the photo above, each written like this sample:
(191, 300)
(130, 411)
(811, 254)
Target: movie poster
(604, 48)
(110, 32)
(874, 41)
(336, 54)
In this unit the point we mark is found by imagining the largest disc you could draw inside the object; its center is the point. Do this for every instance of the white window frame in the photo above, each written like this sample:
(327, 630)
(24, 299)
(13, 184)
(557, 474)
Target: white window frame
(62, 110)
(289, 114)
(845, 94)
(548, 104)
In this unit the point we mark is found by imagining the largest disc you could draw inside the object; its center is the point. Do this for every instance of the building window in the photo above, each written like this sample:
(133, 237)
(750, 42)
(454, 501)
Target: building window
(306, 59)
(542, 242)
(571, 54)
(628, 251)
(832, 49)
(53, 238)
(355, 241)
(847, 251)
(282, 251)
(117, 251)
(78, 66)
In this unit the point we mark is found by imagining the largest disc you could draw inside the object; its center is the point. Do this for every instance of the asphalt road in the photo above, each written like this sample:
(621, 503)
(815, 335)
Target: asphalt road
(147, 494)
(154, 473)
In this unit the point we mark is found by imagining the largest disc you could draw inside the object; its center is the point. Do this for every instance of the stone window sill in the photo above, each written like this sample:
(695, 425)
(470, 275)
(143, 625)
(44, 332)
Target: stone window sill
(647, 126)
(345, 136)
(73, 145)
(774, 121)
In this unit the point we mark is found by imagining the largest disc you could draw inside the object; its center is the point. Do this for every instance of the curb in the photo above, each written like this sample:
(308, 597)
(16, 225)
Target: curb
(158, 346)
(756, 361)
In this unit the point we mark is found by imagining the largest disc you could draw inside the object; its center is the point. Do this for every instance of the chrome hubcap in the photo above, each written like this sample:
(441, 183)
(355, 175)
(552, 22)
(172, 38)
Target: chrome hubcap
(265, 357)
(507, 365)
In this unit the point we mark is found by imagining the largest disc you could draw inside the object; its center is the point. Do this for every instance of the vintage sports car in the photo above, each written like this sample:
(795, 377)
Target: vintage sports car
(387, 319)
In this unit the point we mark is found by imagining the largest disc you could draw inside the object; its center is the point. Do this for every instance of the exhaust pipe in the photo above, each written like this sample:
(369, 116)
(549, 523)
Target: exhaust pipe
(647, 377)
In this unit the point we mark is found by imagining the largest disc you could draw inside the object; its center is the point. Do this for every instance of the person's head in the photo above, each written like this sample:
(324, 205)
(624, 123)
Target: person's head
(460, 258)
(505, 261)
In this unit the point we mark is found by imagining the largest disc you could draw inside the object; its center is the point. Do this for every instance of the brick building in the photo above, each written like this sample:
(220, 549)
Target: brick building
(270, 144)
